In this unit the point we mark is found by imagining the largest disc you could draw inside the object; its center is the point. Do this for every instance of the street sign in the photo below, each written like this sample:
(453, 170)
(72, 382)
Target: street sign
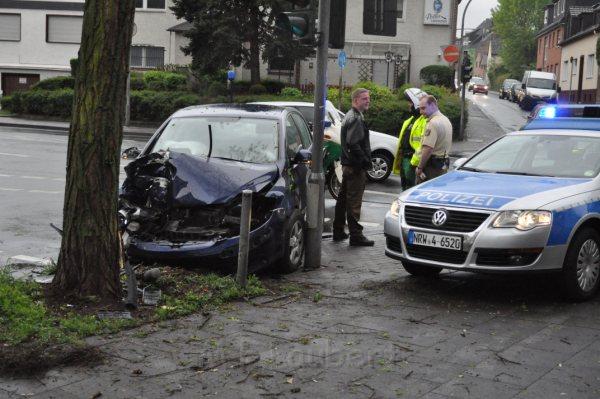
(230, 75)
(451, 53)
(342, 59)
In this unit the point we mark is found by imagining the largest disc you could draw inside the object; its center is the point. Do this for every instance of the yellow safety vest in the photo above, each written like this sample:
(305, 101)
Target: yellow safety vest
(417, 131)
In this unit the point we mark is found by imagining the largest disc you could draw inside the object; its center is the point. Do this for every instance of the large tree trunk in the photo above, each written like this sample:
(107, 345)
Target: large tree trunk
(254, 49)
(90, 254)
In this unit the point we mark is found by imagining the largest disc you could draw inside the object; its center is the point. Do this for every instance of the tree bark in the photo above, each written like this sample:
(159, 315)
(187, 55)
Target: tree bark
(90, 254)
(254, 49)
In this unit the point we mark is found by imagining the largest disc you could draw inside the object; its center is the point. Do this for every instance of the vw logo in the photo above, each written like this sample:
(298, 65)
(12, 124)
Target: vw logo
(439, 217)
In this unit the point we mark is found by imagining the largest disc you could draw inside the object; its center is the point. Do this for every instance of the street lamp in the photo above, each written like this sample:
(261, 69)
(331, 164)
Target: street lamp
(389, 56)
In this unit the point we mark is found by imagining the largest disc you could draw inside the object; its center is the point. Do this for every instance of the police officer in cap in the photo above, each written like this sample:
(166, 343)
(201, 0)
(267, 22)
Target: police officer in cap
(409, 142)
(436, 142)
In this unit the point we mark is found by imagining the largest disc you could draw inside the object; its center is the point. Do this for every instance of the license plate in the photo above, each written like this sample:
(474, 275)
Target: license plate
(435, 240)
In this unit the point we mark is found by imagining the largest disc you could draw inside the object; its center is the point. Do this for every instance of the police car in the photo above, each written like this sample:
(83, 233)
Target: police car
(528, 202)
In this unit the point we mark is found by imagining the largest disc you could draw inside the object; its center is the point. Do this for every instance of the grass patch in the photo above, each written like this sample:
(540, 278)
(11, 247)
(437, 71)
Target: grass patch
(4, 112)
(35, 336)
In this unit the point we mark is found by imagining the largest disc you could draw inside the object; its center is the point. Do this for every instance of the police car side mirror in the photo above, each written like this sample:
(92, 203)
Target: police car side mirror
(459, 162)
(302, 157)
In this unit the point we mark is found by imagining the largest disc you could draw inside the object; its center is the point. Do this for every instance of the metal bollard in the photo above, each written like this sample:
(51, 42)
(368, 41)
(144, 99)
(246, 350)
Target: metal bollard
(244, 246)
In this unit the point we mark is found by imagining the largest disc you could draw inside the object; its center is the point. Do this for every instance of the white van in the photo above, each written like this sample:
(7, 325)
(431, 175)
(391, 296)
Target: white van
(538, 87)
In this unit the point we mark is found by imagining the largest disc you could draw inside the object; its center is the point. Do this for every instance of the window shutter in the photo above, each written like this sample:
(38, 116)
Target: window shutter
(135, 57)
(369, 17)
(155, 57)
(10, 27)
(63, 29)
(390, 12)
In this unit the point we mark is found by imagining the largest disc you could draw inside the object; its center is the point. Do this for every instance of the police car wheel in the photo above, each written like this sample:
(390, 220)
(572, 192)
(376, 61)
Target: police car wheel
(294, 251)
(581, 270)
(333, 184)
(382, 167)
(421, 271)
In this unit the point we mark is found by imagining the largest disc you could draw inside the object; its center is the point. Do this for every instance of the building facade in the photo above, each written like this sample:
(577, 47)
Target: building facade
(579, 70)
(484, 45)
(413, 33)
(39, 38)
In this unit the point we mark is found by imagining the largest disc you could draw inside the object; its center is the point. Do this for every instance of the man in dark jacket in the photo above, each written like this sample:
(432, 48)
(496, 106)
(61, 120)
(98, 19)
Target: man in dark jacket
(356, 160)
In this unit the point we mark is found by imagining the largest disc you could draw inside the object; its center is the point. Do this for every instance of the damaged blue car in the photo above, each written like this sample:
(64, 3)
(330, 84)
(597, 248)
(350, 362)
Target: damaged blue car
(183, 193)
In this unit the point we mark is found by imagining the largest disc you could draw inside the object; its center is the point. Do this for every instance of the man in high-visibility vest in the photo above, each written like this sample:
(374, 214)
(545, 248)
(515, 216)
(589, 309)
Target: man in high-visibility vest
(409, 143)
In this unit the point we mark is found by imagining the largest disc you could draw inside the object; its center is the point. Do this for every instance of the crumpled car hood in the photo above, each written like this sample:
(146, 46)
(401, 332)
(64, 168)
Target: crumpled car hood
(199, 181)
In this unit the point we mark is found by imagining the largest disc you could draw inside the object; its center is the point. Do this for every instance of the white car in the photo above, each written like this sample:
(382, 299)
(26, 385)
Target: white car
(383, 146)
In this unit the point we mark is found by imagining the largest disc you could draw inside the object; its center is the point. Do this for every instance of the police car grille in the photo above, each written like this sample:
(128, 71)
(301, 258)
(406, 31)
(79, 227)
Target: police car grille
(437, 254)
(459, 221)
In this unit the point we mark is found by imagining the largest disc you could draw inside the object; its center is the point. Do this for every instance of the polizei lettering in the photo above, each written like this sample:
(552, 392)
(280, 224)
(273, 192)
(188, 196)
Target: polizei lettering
(452, 198)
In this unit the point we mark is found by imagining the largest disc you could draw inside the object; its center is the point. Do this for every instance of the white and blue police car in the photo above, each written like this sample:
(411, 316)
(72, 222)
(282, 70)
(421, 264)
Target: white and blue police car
(530, 201)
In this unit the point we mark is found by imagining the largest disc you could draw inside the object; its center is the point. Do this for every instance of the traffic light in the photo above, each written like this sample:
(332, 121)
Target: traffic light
(467, 69)
(299, 23)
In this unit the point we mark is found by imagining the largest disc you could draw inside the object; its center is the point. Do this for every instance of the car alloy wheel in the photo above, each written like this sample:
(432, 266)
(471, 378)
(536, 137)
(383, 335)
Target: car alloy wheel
(381, 167)
(588, 265)
(296, 243)
(333, 185)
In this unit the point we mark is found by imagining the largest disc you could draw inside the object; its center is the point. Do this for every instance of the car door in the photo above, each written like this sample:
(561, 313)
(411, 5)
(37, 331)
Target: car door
(297, 136)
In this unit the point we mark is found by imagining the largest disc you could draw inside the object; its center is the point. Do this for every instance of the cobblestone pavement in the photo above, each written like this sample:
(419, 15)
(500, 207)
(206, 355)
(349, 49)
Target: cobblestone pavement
(362, 328)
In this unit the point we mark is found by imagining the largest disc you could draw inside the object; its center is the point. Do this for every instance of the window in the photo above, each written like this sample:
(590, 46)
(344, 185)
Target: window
(564, 72)
(147, 57)
(574, 64)
(305, 135)
(293, 141)
(380, 17)
(589, 68)
(150, 4)
(10, 27)
(63, 29)
(281, 64)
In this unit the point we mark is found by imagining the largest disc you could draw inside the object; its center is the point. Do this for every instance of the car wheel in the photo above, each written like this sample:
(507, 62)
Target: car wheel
(333, 184)
(421, 271)
(293, 254)
(581, 270)
(382, 167)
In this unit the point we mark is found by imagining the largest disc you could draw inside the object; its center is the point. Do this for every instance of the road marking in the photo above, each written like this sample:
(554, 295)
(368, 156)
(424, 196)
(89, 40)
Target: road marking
(44, 192)
(14, 155)
(381, 193)
(1, 175)
(10, 189)
(33, 177)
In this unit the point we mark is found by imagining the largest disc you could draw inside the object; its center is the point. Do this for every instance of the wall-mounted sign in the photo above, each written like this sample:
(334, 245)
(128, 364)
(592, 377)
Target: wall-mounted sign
(437, 12)
(22, 81)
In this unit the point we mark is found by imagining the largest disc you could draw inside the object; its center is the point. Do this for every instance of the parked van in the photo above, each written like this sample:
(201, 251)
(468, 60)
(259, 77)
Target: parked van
(538, 87)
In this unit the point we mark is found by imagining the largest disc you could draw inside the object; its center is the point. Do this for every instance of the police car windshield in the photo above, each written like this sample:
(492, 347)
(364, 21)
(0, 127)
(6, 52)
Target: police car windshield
(540, 155)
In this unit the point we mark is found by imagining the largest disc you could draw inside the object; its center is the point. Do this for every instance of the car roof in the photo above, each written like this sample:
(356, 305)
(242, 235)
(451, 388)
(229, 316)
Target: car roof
(241, 110)
(286, 103)
(557, 132)
(561, 124)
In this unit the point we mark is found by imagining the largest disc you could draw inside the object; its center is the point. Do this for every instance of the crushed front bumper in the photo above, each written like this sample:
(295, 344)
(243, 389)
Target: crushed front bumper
(485, 249)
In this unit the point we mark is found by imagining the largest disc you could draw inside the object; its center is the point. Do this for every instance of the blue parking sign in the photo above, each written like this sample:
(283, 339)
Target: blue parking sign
(342, 59)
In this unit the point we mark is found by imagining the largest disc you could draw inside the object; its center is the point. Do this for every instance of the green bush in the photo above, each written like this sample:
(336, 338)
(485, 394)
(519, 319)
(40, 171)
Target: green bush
(291, 92)
(74, 66)
(147, 105)
(216, 89)
(13, 103)
(56, 83)
(257, 89)
(439, 75)
(273, 86)
(137, 81)
(377, 93)
(241, 86)
(59, 103)
(160, 80)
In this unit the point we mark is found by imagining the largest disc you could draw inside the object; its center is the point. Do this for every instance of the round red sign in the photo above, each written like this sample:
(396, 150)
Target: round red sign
(451, 53)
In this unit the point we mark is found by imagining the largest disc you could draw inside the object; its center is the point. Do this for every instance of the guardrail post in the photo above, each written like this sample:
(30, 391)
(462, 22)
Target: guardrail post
(244, 246)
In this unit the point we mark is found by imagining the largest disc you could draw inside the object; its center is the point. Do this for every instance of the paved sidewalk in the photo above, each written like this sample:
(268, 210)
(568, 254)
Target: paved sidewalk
(376, 333)
(480, 130)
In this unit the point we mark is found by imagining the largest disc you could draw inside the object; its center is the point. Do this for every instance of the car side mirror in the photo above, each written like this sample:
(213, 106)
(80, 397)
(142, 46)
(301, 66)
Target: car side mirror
(310, 126)
(302, 157)
(327, 124)
(459, 162)
(131, 152)
(523, 86)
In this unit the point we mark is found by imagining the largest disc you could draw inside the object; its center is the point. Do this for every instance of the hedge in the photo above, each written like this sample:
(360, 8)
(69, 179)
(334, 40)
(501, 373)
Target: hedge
(439, 75)
(147, 105)
(164, 81)
(57, 83)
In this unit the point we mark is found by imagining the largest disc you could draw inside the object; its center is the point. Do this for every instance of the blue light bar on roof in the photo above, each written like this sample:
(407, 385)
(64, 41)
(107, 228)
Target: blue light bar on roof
(548, 113)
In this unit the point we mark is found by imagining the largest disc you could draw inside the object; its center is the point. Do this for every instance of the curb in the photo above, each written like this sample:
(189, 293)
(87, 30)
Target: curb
(63, 130)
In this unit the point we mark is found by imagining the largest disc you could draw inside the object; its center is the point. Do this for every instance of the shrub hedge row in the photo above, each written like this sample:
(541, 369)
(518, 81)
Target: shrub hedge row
(54, 97)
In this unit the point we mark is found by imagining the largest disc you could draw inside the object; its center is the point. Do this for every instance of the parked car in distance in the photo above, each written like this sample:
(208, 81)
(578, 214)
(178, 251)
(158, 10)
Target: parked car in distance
(475, 79)
(506, 87)
(182, 194)
(478, 85)
(538, 87)
(515, 88)
(383, 146)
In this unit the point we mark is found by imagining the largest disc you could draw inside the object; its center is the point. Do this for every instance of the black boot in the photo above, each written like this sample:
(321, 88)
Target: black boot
(340, 235)
(361, 241)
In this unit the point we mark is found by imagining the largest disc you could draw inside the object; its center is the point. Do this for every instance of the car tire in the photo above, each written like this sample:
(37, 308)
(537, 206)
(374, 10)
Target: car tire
(295, 244)
(581, 268)
(333, 184)
(382, 167)
(421, 271)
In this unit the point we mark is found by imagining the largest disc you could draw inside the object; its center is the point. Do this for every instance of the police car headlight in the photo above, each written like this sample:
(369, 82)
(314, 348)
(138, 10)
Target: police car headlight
(395, 209)
(522, 220)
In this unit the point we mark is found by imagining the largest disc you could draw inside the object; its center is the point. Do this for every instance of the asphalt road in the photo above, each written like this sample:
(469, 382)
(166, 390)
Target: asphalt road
(506, 114)
(32, 179)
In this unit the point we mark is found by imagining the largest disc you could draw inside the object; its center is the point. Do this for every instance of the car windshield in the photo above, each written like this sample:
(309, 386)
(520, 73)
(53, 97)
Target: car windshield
(540, 155)
(251, 140)
(537, 83)
(477, 81)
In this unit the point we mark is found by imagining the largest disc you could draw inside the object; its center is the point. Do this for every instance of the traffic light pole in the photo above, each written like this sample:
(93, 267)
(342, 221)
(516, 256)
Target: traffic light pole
(461, 132)
(316, 181)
